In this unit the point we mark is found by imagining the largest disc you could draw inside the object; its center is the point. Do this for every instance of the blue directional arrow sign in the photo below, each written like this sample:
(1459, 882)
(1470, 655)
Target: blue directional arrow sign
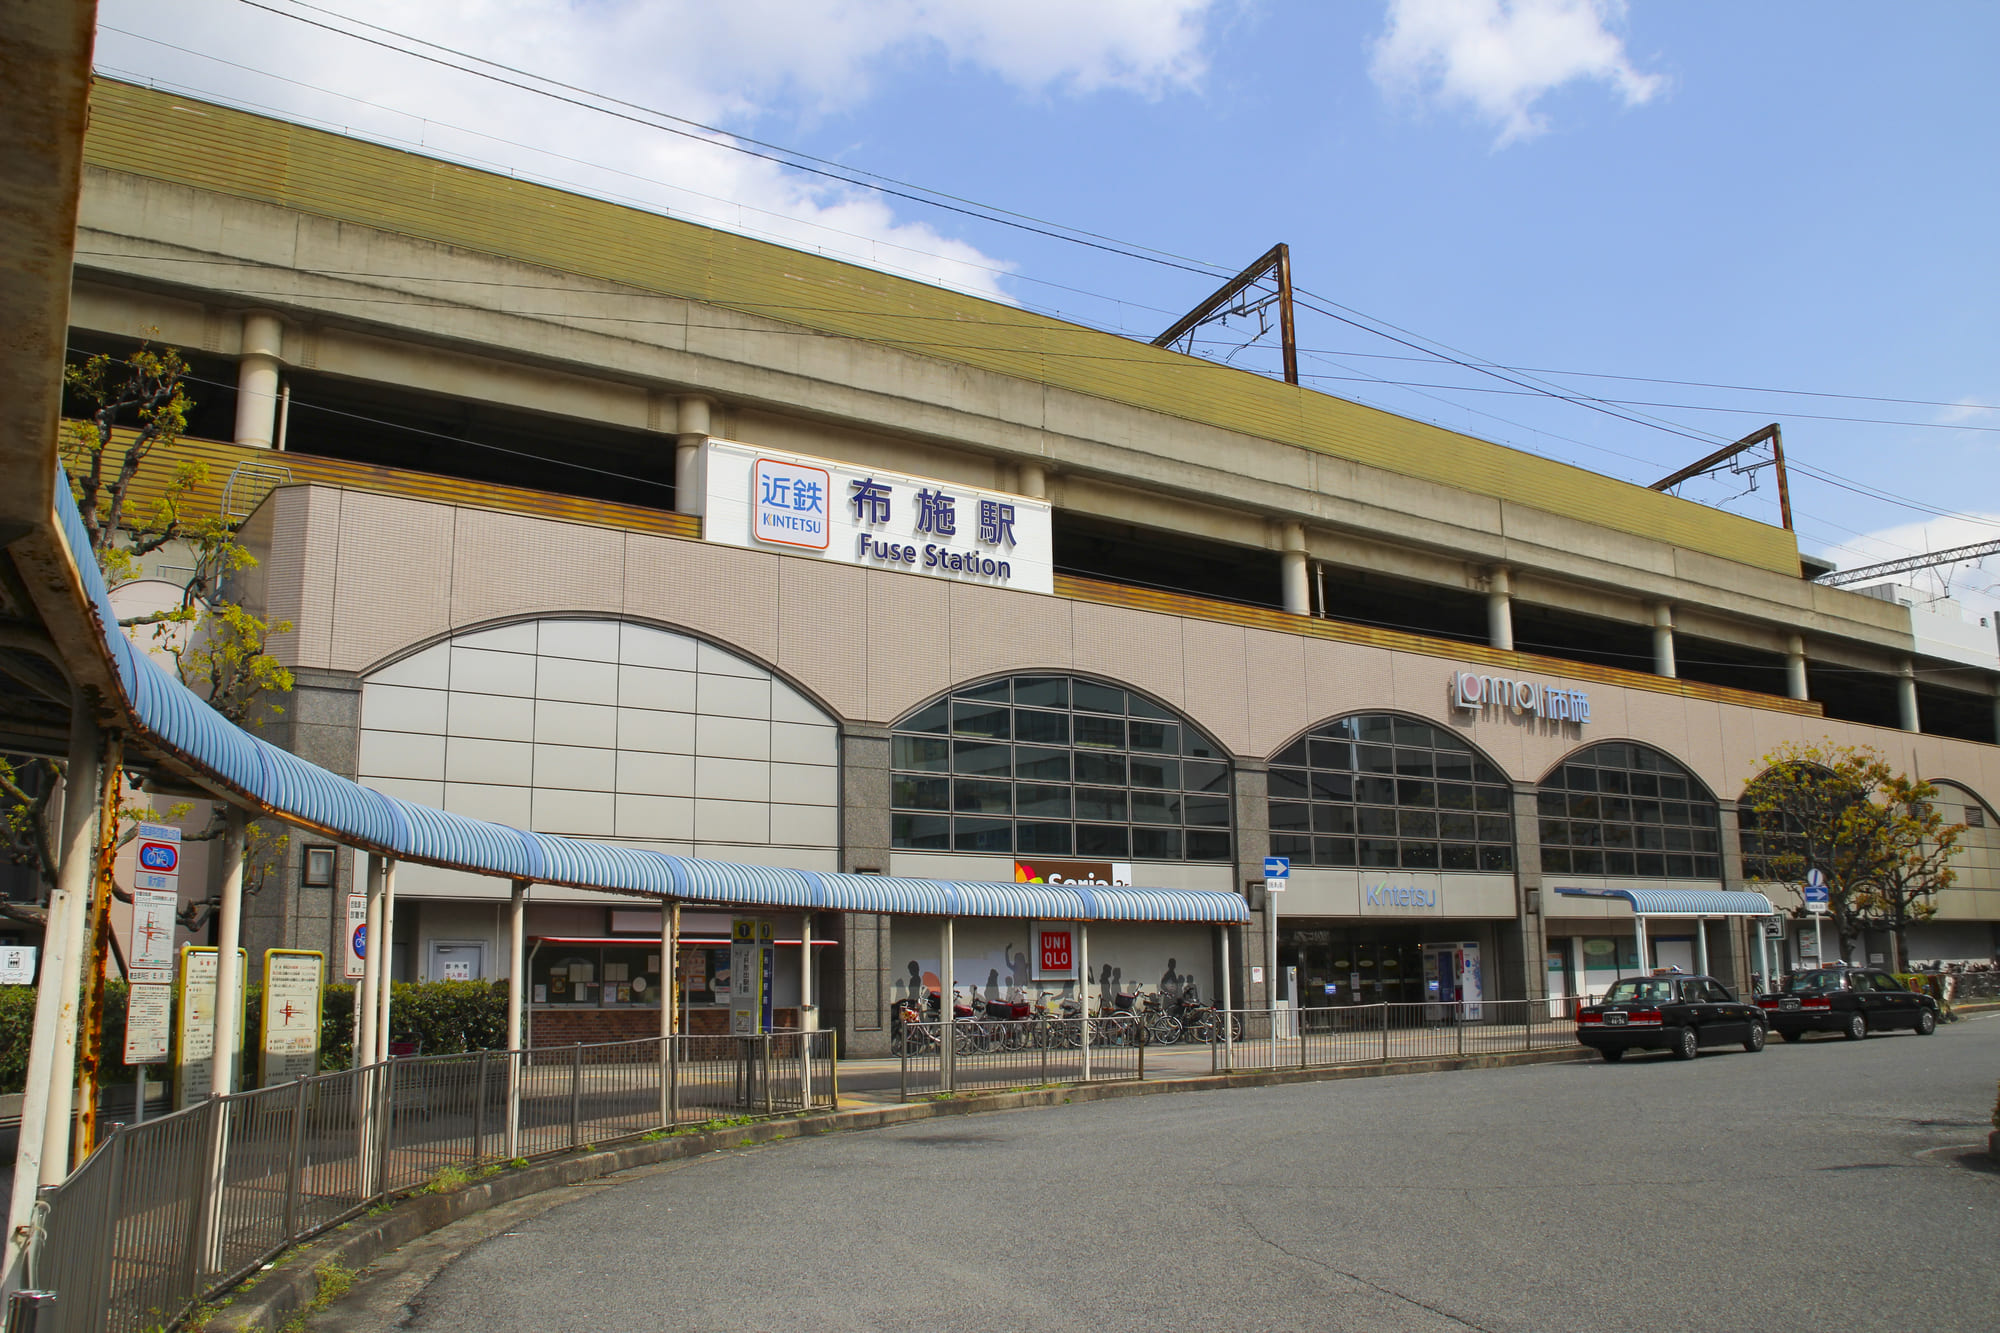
(1816, 892)
(1277, 873)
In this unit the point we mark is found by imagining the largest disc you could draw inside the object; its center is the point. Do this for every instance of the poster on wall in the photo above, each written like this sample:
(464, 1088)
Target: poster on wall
(1055, 953)
(1471, 984)
(292, 989)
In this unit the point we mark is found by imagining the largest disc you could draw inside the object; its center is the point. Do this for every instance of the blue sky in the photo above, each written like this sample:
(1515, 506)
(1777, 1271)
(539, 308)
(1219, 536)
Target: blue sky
(1787, 196)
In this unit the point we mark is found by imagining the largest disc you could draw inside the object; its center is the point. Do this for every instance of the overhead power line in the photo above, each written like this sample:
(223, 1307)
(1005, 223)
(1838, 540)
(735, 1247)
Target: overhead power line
(1910, 564)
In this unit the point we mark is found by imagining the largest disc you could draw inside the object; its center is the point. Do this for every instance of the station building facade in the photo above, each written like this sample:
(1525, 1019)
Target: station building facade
(600, 523)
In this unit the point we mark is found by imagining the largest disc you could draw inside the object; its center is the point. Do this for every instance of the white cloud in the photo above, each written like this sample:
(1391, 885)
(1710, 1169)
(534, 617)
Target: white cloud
(754, 66)
(1968, 412)
(1498, 57)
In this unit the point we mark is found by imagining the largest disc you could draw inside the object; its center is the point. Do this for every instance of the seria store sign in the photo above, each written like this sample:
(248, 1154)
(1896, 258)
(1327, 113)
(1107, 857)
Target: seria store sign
(850, 515)
(1475, 693)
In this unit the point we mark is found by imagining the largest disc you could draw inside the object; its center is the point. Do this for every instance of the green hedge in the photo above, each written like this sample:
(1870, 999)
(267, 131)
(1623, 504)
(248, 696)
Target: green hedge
(440, 1017)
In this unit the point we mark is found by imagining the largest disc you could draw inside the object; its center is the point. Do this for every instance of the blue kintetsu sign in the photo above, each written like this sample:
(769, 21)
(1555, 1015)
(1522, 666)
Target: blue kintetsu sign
(789, 503)
(1277, 867)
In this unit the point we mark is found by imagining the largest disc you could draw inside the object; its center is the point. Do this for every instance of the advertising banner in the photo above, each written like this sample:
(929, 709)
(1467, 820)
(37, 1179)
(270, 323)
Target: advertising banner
(194, 1034)
(292, 989)
(149, 1026)
(746, 978)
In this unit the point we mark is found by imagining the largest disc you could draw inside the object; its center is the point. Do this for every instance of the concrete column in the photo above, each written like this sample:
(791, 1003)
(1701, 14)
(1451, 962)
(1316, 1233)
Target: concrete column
(1500, 607)
(1298, 592)
(228, 938)
(257, 379)
(517, 995)
(863, 957)
(1906, 697)
(1996, 716)
(1253, 843)
(79, 861)
(371, 972)
(1531, 896)
(1032, 480)
(808, 1010)
(386, 971)
(1795, 670)
(947, 1008)
(691, 433)
(1663, 640)
(37, 1153)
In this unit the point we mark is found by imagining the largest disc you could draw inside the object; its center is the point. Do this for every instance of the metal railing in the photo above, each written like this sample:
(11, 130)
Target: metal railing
(1380, 1033)
(1047, 1050)
(1017, 1053)
(169, 1212)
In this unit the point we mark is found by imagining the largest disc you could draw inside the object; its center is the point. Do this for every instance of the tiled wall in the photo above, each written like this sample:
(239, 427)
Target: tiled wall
(602, 729)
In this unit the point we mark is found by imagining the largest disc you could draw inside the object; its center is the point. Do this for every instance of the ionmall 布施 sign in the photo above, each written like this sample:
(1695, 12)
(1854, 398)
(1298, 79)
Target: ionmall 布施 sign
(1476, 693)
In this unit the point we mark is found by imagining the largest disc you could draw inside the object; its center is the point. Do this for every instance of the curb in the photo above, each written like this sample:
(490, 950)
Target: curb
(268, 1299)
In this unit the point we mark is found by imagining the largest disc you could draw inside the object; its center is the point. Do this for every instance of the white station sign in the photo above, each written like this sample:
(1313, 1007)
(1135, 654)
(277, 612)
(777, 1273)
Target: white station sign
(770, 500)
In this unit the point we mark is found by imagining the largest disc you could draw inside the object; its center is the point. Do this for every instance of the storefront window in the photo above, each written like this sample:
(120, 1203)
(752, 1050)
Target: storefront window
(598, 976)
(1058, 766)
(1384, 792)
(1627, 810)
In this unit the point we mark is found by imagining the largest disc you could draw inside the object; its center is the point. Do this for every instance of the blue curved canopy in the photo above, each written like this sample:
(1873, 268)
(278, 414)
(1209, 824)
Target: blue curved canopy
(1684, 902)
(280, 784)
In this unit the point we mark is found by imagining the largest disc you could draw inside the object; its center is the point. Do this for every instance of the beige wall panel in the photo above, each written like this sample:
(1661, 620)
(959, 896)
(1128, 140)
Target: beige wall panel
(1518, 747)
(1706, 753)
(904, 670)
(298, 587)
(1137, 648)
(392, 577)
(1343, 677)
(820, 609)
(1275, 689)
(1215, 676)
(720, 591)
(567, 567)
(993, 630)
(1662, 721)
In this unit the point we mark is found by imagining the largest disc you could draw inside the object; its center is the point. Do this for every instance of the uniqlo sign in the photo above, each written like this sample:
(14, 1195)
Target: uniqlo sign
(1053, 956)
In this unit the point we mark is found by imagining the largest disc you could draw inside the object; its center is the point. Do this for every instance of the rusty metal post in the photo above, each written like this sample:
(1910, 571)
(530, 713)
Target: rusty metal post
(90, 1033)
(1287, 330)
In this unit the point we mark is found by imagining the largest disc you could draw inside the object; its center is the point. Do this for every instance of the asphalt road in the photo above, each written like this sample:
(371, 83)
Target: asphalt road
(1822, 1186)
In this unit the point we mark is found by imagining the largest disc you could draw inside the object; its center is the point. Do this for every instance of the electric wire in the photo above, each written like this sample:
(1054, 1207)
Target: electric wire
(922, 195)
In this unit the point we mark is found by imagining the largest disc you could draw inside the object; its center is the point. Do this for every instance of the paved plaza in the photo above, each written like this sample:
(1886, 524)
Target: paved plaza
(1825, 1185)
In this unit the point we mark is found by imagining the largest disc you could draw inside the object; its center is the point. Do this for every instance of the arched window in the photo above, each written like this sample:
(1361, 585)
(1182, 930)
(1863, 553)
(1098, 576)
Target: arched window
(1056, 766)
(1625, 809)
(1378, 791)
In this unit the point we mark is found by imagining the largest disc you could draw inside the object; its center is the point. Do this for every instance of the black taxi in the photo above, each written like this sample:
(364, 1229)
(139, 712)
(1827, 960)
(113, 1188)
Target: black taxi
(1853, 1001)
(1668, 1012)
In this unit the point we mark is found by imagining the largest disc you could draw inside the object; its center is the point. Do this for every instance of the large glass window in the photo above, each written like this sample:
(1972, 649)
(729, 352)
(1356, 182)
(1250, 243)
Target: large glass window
(1056, 766)
(1628, 810)
(1383, 792)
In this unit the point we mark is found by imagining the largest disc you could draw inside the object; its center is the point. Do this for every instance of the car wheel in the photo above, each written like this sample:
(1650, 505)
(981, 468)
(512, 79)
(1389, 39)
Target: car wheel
(1755, 1041)
(1793, 1036)
(1926, 1022)
(1857, 1027)
(1686, 1047)
(1612, 1054)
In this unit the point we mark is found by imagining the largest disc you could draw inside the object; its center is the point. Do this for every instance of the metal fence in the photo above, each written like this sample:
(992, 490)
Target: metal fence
(1137, 1046)
(1378, 1033)
(1017, 1053)
(168, 1212)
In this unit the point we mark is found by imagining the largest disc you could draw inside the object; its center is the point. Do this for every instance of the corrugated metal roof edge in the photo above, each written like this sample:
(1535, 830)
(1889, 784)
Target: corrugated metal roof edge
(282, 785)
